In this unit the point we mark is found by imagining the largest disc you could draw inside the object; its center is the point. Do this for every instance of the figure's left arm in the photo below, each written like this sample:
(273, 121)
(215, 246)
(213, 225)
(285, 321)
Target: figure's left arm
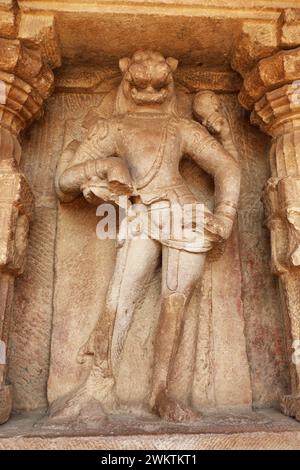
(208, 153)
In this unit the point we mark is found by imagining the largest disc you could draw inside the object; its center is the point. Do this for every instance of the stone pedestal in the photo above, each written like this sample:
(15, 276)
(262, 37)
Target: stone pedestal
(236, 430)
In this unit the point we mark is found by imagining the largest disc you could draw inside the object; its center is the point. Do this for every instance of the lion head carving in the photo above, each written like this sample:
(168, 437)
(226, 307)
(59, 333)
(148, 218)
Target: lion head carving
(147, 83)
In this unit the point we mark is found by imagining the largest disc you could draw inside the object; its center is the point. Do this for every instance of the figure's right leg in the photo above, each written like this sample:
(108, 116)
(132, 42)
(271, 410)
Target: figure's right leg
(141, 261)
(135, 264)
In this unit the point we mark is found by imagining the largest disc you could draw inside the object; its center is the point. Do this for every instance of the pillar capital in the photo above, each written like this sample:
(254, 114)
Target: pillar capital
(277, 112)
(25, 82)
(270, 73)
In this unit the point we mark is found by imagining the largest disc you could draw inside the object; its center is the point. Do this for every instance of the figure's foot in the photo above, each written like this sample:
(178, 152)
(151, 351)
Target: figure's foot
(171, 410)
(76, 408)
(89, 403)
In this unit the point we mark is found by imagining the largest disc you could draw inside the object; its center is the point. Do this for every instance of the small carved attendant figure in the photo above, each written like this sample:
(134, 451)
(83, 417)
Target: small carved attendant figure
(207, 109)
(138, 151)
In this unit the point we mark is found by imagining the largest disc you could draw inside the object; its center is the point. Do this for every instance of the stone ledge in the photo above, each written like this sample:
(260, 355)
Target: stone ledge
(266, 429)
(235, 441)
(232, 8)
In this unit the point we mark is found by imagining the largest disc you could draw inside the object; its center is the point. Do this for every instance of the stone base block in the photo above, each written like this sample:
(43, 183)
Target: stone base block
(5, 403)
(263, 429)
(290, 406)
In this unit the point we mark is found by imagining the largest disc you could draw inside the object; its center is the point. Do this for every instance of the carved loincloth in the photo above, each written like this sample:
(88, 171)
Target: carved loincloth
(173, 216)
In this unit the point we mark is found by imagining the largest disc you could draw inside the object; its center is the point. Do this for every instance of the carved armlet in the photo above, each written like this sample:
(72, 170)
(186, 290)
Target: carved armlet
(227, 209)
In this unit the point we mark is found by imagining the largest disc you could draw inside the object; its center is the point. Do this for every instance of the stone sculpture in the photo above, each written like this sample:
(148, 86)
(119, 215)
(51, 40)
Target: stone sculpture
(137, 153)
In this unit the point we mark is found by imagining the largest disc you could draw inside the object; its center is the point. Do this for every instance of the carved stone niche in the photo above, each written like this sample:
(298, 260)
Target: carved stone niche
(162, 341)
(213, 346)
(99, 356)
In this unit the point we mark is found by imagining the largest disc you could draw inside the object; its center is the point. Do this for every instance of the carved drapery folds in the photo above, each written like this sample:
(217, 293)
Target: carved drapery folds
(25, 82)
(271, 91)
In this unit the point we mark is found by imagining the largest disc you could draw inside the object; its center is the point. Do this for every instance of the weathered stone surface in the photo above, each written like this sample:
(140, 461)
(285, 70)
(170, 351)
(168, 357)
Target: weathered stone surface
(41, 30)
(267, 362)
(262, 430)
(25, 81)
(256, 41)
(194, 32)
(290, 406)
(16, 206)
(272, 89)
(34, 289)
(97, 79)
(289, 22)
(6, 403)
(7, 18)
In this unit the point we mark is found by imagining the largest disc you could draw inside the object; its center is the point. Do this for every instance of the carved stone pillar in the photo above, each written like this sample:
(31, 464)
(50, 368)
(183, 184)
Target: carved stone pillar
(271, 91)
(25, 82)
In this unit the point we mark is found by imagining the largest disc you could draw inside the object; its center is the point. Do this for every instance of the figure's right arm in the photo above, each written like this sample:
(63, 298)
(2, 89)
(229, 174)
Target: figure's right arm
(99, 143)
(78, 160)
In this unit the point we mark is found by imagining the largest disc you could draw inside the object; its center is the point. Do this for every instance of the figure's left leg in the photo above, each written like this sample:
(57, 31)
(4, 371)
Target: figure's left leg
(180, 273)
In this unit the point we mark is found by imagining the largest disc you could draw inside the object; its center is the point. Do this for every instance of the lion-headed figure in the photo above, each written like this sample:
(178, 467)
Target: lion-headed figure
(147, 82)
